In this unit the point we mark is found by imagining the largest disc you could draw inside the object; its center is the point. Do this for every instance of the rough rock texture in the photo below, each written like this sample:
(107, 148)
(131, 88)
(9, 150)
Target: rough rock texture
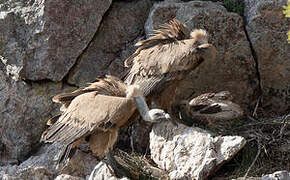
(234, 67)
(68, 177)
(44, 38)
(81, 164)
(24, 109)
(44, 162)
(280, 175)
(189, 152)
(103, 171)
(122, 25)
(30, 173)
(267, 30)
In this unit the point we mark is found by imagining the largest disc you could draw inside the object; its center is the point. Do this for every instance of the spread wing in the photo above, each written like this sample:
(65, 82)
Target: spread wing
(87, 113)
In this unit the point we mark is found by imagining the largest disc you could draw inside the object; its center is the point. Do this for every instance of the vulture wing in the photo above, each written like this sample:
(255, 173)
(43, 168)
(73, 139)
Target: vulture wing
(98, 110)
(87, 113)
(109, 85)
(165, 57)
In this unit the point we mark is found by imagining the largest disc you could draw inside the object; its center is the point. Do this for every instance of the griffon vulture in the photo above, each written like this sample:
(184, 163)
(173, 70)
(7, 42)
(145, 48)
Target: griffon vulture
(164, 59)
(96, 113)
(210, 108)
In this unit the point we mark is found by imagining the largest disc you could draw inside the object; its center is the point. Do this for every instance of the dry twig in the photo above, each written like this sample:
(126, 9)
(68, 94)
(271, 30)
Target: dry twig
(257, 155)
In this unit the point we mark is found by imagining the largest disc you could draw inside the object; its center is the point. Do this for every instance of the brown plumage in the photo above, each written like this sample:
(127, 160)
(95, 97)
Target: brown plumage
(163, 60)
(99, 110)
(210, 108)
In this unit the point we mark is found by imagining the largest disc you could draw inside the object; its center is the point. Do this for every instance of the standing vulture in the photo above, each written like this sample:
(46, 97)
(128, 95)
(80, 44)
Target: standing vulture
(98, 111)
(164, 59)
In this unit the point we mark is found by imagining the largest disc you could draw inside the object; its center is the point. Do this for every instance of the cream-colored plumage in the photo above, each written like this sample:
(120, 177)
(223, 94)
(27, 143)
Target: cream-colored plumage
(93, 114)
(164, 59)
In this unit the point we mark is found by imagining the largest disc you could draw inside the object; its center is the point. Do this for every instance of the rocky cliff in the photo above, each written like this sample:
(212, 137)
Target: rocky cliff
(48, 47)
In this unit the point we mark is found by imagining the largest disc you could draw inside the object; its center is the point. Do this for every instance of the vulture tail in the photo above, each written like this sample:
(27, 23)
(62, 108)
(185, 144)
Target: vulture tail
(64, 156)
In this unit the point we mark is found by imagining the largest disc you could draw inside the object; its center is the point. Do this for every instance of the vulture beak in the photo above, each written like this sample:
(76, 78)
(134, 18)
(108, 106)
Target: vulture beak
(158, 115)
(206, 51)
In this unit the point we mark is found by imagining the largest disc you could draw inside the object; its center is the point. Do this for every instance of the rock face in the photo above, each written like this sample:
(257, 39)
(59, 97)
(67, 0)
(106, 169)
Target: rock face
(68, 177)
(122, 25)
(281, 175)
(234, 67)
(30, 173)
(103, 171)
(81, 164)
(44, 38)
(42, 165)
(189, 152)
(267, 29)
(25, 108)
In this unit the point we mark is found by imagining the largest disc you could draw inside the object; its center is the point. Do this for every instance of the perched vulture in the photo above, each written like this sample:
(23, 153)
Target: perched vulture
(98, 111)
(210, 108)
(164, 59)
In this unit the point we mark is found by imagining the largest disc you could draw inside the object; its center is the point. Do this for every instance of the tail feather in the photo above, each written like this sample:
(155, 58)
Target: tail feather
(64, 156)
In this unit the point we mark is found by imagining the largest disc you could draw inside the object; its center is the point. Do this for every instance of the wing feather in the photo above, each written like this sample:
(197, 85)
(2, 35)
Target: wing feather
(168, 55)
(109, 85)
(87, 113)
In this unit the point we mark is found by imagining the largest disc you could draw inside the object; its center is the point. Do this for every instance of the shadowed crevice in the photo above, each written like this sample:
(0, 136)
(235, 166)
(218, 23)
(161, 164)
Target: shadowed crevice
(73, 69)
(255, 57)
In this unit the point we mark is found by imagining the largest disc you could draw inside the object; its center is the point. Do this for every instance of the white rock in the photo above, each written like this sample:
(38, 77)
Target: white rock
(279, 175)
(103, 172)
(190, 152)
(67, 177)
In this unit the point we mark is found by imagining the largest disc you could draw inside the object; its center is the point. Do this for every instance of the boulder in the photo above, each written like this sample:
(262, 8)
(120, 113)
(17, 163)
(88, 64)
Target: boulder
(104, 171)
(81, 164)
(44, 38)
(234, 67)
(281, 175)
(120, 28)
(45, 160)
(68, 177)
(267, 28)
(24, 109)
(189, 152)
(30, 173)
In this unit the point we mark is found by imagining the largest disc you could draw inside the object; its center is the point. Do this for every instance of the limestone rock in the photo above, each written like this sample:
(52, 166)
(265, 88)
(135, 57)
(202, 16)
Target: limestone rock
(44, 161)
(25, 108)
(267, 29)
(41, 165)
(30, 173)
(68, 177)
(281, 175)
(190, 152)
(44, 157)
(81, 164)
(234, 67)
(121, 26)
(103, 171)
(44, 38)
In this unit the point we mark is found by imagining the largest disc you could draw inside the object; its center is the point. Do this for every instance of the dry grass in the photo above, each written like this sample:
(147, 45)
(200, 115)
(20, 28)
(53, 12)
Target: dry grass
(267, 150)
